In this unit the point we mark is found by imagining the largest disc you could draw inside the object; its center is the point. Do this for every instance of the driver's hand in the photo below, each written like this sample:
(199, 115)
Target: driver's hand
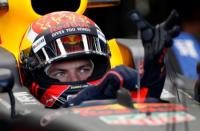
(157, 38)
(106, 88)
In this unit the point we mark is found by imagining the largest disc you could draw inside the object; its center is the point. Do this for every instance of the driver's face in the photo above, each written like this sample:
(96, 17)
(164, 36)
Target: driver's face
(71, 71)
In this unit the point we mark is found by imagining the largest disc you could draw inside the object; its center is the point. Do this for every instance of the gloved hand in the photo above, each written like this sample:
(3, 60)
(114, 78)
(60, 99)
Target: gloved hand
(157, 38)
(106, 88)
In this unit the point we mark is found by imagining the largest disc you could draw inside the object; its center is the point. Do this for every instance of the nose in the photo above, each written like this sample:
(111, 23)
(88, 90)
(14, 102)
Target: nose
(73, 77)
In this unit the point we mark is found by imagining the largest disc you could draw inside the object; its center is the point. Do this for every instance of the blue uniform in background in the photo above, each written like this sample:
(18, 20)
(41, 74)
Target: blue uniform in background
(187, 51)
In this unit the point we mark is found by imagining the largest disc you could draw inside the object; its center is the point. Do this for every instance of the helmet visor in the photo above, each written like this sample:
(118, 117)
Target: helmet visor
(68, 45)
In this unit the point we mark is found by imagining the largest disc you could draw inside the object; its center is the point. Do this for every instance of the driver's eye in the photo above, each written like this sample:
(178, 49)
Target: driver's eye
(58, 75)
(85, 69)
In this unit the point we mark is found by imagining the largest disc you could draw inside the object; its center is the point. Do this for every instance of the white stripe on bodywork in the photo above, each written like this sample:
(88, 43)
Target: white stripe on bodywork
(166, 94)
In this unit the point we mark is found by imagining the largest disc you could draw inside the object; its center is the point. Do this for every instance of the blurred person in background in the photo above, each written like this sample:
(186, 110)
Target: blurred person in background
(186, 46)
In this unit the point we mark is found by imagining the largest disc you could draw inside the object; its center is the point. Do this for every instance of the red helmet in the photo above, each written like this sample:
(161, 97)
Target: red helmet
(61, 36)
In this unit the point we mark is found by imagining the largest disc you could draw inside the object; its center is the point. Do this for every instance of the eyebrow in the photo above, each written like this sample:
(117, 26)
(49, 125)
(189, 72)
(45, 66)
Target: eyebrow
(90, 65)
(58, 69)
(79, 67)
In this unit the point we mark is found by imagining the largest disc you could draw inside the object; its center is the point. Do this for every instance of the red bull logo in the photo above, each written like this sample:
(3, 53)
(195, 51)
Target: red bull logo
(72, 39)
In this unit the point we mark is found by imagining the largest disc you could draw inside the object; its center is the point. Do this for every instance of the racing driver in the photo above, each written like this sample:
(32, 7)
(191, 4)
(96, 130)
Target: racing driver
(65, 59)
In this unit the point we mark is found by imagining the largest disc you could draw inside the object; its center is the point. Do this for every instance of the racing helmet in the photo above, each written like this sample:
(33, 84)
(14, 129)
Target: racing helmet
(57, 37)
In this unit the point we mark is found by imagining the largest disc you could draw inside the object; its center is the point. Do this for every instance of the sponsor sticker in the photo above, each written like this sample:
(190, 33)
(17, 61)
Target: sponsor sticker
(144, 119)
(60, 32)
(159, 107)
(72, 30)
(38, 44)
(101, 110)
(25, 98)
(118, 109)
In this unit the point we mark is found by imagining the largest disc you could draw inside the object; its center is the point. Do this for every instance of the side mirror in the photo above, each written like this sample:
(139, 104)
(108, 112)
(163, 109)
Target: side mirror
(6, 80)
(6, 85)
(124, 98)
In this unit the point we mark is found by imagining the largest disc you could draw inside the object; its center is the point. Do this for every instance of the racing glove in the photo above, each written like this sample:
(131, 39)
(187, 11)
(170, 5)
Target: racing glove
(156, 40)
(106, 88)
